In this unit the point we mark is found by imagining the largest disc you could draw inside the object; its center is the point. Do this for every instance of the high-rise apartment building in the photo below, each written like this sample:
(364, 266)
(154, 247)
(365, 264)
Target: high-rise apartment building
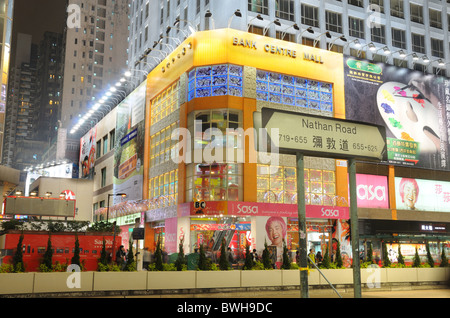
(94, 59)
(95, 55)
(6, 23)
(21, 105)
(403, 33)
(49, 86)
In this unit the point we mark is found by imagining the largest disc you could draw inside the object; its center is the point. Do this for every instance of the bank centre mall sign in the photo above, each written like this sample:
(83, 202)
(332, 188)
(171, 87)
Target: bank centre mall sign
(276, 50)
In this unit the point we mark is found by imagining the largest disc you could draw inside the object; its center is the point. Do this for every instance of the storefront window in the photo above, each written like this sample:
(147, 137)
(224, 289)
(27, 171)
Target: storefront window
(216, 80)
(210, 232)
(214, 182)
(163, 190)
(165, 103)
(294, 91)
(279, 185)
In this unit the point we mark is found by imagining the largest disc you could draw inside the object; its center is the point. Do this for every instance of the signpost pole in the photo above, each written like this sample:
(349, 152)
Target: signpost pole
(354, 229)
(304, 292)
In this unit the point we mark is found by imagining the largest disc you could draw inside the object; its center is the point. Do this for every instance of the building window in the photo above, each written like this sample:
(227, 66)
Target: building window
(333, 21)
(310, 15)
(98, 149)
(214, 182)
(103, 180)
(162, 146)
(256, 30)
(356, 27)
(165, 103)
(163, 190)
(435, 19)
(105, 144)
(276, 184)
(397, 9)
(294, 91)
(418, 43)
(377, 5)
(416, 13)
(287, 36)
(207, 126)
(358, 3)
(378, 34)
(258, 6)
(215, 80)
(399, 38)
(112, 137)
(279, 185)
(437, 47)
(284, 9)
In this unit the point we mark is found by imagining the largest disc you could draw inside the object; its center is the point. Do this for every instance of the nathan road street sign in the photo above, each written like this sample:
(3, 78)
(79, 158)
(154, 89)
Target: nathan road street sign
(324, 136)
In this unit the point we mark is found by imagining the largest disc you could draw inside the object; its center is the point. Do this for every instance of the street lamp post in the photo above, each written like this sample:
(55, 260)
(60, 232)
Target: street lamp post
(123, 195)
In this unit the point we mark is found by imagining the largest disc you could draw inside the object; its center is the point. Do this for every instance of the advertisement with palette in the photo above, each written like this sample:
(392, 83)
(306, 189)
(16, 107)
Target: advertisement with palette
(410, 104)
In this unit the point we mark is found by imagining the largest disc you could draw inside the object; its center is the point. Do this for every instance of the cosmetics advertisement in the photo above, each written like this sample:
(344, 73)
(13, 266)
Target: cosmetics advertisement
(411, 105)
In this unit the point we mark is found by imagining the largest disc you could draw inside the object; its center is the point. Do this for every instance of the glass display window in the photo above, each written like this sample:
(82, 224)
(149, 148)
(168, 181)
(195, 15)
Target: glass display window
(214, 182)
(162, 146)
(163, 190)
(294, 91)
(165, 103)
(215, 80)
(278, 184)
(215, 128)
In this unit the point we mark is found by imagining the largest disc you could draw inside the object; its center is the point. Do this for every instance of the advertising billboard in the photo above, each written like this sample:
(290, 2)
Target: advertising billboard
(410, 104)
(422, 195)
(372, 191)
(66, 170)
(129, 152)
(87, 154)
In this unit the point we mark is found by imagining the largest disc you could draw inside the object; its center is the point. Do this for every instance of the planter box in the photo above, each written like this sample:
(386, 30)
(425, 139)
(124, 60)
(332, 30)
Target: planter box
(438, 274)
(63, 282)
(336, 276)
(401, 275)
(261, 278)
(171, 280)
(218, 279)
(120, 281)
(290, 277)
(373, 277)
(20, 283)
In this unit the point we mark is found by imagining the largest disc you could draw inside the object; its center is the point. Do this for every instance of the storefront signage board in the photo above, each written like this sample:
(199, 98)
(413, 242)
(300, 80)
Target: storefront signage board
(239, 208)
(323, 136)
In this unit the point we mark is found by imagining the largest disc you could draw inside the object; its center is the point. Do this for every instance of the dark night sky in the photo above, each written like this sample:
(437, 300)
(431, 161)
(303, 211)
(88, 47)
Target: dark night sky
(37, 16)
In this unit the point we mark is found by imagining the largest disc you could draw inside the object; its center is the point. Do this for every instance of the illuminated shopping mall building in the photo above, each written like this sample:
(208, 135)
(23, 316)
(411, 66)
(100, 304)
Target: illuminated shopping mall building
(220, 78)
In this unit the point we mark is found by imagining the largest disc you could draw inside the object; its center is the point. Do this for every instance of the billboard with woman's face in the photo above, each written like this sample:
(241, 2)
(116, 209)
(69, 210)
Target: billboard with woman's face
(272, 231)
(422, 195)
(413, 106)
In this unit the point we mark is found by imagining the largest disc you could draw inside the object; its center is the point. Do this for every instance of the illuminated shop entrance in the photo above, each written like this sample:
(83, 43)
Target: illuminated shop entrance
(209, 231)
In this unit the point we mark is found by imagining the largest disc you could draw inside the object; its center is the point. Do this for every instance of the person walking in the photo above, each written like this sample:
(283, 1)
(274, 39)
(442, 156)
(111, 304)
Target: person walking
(121, 259)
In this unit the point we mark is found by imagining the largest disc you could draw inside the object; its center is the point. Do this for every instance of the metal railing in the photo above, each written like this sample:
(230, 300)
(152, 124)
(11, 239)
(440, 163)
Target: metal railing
(331, 285)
